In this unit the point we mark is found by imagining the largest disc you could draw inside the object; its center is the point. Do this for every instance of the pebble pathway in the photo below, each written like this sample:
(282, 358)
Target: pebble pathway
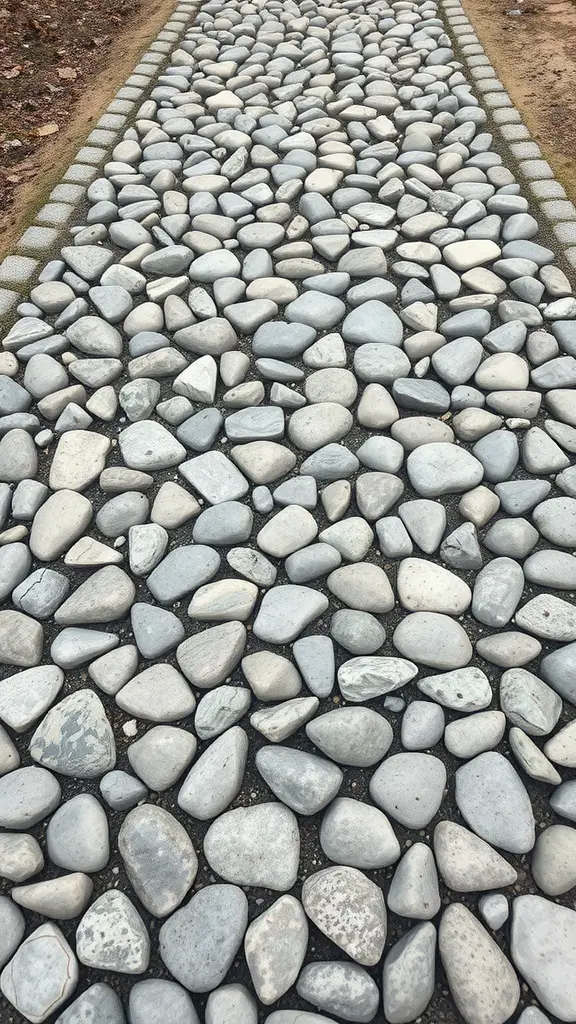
(288, 521)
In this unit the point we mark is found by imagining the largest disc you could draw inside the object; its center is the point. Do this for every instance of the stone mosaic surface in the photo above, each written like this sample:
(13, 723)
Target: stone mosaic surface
(287, 535)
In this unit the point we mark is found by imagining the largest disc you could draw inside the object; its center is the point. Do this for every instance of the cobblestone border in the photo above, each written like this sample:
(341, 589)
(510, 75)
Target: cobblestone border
(51, 224)
(537, 175)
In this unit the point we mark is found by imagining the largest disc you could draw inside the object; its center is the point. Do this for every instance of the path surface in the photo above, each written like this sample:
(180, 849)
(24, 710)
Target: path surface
(288, 515)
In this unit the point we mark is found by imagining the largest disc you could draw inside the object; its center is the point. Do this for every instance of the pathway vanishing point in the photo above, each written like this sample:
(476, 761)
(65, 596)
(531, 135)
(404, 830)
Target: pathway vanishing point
(287, 542)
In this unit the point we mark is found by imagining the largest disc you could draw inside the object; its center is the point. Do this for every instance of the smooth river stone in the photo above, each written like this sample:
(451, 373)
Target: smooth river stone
(492, 799)
(285, 611)
(437, 469)
(482, 981)
(543, 947)
(349, 909)
(255, 846)
(430, 638)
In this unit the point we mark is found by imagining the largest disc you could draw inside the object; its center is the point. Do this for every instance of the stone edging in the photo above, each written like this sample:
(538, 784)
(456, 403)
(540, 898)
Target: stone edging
(52, 222)
(546, 192)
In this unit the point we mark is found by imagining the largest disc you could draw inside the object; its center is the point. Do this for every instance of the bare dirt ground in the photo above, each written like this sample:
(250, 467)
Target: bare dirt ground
(61, 62)
(532, 46)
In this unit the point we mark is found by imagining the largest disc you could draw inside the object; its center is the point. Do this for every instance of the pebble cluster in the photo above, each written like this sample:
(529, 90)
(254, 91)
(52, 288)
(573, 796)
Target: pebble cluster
(287, 534)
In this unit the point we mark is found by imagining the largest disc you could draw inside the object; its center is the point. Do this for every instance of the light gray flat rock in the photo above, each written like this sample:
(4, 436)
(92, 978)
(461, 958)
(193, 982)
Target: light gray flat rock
(409, 787)
(154, 1000)
(358, 835)
(492, 799)
(303, 781)
(199, 942)
(77, 835)
(543, 947)
(216, 776)
(42, 974)
(255, 846)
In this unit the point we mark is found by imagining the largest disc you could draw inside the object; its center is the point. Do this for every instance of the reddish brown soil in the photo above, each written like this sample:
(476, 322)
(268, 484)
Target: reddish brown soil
(534, 54)
(61, 61)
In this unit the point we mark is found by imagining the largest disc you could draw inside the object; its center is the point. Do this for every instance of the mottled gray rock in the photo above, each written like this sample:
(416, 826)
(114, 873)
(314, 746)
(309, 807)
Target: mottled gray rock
(199, 942)
(409, 974)
(99, 1004)
(112, 936)
(482, 981)
(42, 974)
(341, 988)
(232, 842)
(363, 678)
(75, 737)
(159, 858)
(349, 909)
